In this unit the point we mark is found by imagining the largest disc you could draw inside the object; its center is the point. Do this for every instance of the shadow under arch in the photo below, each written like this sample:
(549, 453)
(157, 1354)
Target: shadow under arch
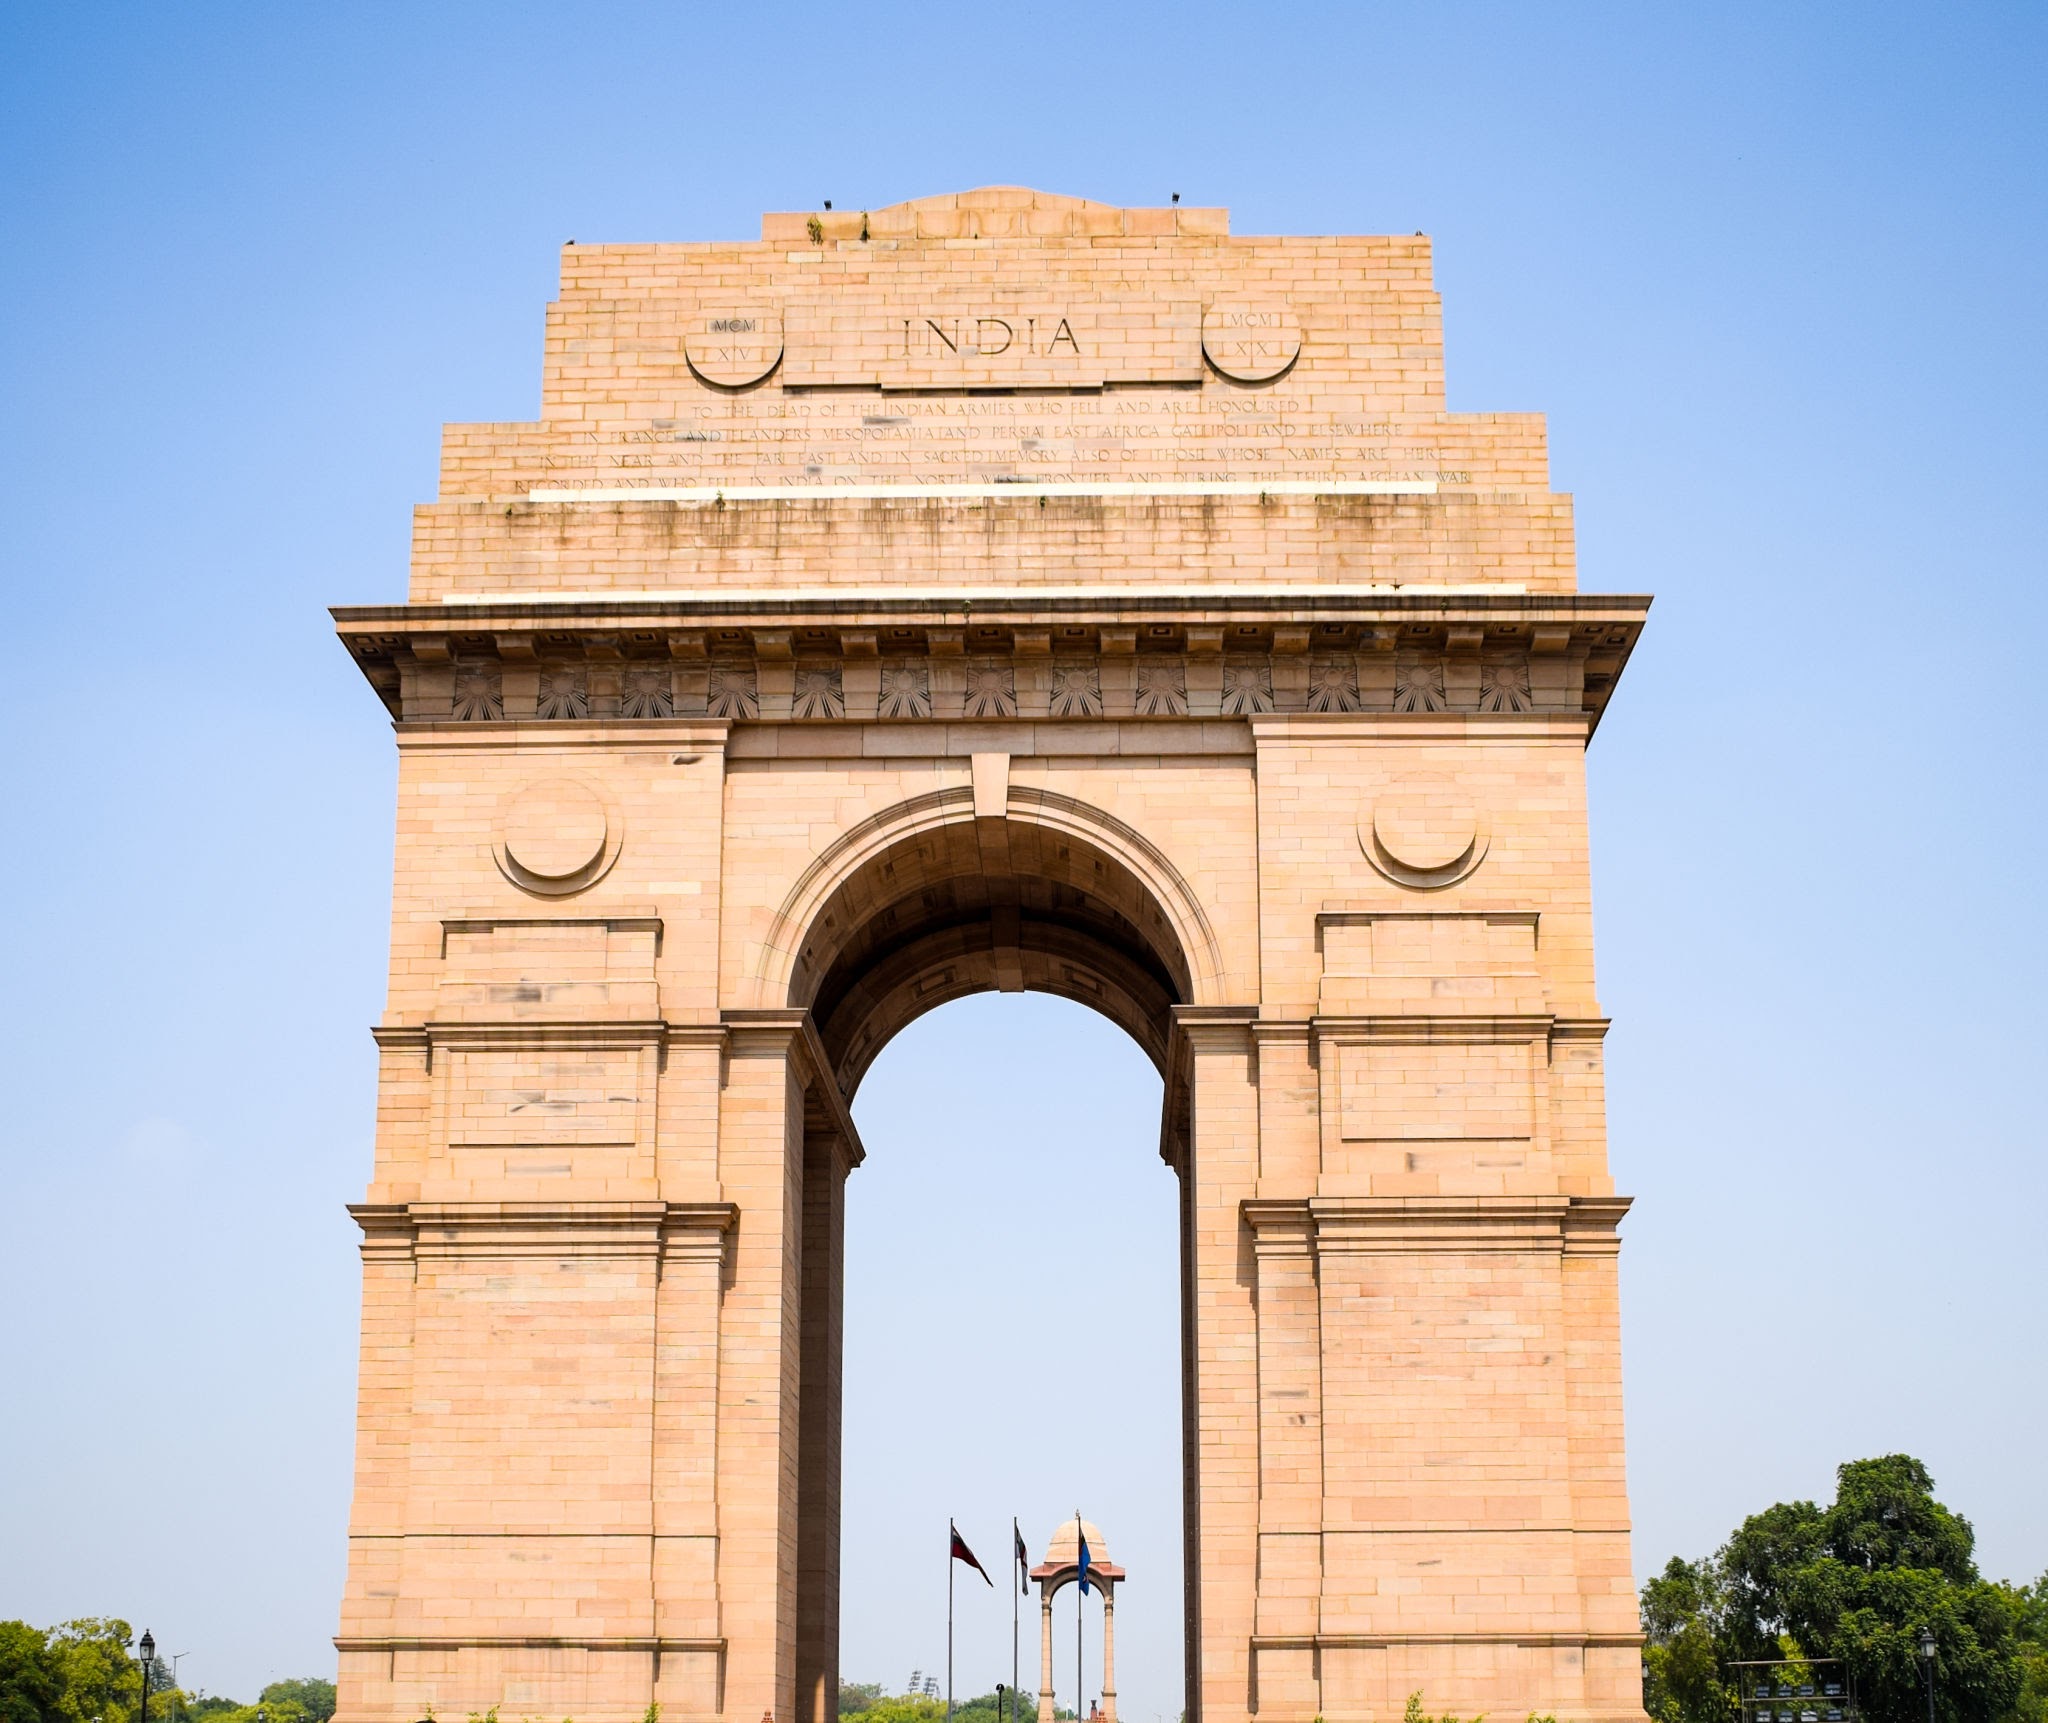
(926, 902)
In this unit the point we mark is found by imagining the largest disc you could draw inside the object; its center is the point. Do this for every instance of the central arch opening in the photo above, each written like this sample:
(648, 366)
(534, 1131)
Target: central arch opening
(1012, 1347)
(1001, 1341)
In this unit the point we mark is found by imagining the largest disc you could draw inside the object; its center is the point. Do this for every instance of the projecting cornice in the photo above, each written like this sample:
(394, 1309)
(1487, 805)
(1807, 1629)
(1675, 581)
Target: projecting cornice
(1403, 1225)
(864, 656)
(409, 1231)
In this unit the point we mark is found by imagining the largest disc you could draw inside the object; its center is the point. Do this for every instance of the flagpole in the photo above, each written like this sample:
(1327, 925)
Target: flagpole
(1080, 1593)
(952, 1532)
(1016, 1538)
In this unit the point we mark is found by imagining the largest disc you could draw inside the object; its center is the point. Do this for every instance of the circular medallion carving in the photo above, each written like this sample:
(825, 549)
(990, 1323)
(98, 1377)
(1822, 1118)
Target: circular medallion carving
(1423, 832)
(1250, 341)
(556, 837)
(734, 345)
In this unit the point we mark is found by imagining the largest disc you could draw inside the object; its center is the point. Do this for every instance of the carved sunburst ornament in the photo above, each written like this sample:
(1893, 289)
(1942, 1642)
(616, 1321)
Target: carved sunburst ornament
(1419, 684)
(564, 692)
(646, 694)
(991, 692)
(1162, 690)
(730, 692)
(906, 692)
(1247, 688)
(1333, 687)
(818, 694)
(479, 694)
(1504, 686)
(1076, 691)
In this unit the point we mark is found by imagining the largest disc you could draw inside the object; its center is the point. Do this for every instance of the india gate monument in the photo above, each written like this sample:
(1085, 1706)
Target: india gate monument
(994, 591)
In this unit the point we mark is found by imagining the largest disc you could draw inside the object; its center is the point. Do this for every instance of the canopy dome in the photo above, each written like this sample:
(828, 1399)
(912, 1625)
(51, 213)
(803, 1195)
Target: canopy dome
(1064, 1550)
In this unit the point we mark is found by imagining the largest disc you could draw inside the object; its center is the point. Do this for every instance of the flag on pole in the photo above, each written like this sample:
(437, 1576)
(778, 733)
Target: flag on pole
(1023, 1561)
(961, 1552)
(1082, 1538)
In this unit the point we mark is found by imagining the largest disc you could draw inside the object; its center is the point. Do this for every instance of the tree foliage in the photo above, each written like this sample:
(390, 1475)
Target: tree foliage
(82, 1672)
(29, 1682)
(2029, 1605)
(903, 1708)
(1858, 1581)
(313, 1697)
(1017, 1704)
(867, 1701)
(1685, 1625)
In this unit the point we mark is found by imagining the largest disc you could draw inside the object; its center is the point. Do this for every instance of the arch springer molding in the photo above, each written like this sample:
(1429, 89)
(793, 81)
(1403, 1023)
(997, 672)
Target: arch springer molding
(1401, 1225)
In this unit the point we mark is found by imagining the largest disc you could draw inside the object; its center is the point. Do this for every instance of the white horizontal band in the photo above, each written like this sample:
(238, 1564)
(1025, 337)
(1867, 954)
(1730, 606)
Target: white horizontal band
(976, 492)
(1024, 597)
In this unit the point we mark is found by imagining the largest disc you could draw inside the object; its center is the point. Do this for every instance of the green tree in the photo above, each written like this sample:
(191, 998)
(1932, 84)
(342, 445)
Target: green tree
(265, 1710)
(907, 1708)
(313, 1697)
(1859, 1580)
(1685, 1612)
(2029, 1605)
(100, 1682)
(982, 1708)
(29, 1682)
(878, 1707)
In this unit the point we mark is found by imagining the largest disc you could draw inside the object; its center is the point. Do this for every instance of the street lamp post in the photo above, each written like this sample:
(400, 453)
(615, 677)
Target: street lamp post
(1927, 1663)
(148, 1650)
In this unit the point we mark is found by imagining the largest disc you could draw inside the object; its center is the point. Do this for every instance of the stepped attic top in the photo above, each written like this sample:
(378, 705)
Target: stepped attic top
(1066, 392)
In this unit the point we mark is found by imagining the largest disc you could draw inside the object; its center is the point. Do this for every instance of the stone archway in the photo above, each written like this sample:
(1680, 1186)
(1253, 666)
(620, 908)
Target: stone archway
(995, 590)
(911, 911)
(1014, 890)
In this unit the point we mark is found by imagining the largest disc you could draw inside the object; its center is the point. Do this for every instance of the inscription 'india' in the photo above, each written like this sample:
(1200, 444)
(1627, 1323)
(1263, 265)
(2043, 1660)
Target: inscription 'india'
(986, 337)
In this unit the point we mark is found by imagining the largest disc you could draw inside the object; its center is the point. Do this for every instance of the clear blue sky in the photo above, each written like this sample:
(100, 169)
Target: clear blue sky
(1776, 274)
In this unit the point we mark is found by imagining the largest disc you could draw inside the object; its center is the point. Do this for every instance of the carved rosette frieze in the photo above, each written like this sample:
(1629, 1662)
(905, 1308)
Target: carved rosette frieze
(1419, 684)
(647, 691)
(1504, 684)
(991, 690)
(564, 691)
(732, 691)
(1076, 691)
(479, 695)
(1333, 686)
(906, 689)
(819, 692)
(1162, 688)
(921, 671)
(1247, 687)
